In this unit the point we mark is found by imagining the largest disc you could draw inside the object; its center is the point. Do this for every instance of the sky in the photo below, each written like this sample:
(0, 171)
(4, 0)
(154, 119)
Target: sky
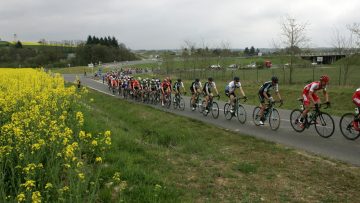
(168, 24)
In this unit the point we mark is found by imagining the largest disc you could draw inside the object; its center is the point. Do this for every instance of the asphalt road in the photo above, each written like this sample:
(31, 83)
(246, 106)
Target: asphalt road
(335, 147)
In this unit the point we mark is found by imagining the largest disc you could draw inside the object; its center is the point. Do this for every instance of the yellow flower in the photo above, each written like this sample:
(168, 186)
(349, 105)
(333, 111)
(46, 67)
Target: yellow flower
(36, 197)
(20, 197)
(82, 135)
(107, 133)
(65, 188)
(81, 176)
(48, 185)
(108, 141)
(98, 160)
(116, 176)
(79, 164)
(80, 118)
(94, 143)
(29, 184)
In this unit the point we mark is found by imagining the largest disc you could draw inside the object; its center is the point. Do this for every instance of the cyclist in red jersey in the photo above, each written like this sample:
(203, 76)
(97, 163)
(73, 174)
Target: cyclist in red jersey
(356, 100)
(309, 94)
(165, 88)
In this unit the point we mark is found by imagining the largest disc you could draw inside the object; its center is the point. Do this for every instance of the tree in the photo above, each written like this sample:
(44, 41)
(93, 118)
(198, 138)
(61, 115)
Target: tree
(344, 43)
(18, 45)
(252, 51)
(293, 34)
(89, 40)
(355, 30)
(247, 51)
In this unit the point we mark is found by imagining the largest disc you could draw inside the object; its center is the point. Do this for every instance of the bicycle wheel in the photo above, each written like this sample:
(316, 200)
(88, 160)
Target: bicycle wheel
(294, 120)
(199, 105)
(215, 110)
(256, 117)
(175, 103)
(274, 119)
(181, 104)
(241, 114)
(347, 127)
(168, 101)
(325, 125)
(227, 113)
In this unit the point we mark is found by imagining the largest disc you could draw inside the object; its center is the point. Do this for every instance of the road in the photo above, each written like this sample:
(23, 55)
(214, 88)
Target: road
(335, 147)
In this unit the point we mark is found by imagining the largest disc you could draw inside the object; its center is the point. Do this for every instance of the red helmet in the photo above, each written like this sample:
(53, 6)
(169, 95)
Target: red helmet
(325, 78)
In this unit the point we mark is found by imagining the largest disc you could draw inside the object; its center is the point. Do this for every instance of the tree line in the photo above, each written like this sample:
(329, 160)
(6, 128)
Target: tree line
(94, 50)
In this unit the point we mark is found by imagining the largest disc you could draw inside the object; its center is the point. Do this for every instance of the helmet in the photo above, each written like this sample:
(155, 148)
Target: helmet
(325, 78)
(210, 79)
(274, 79)
(179, 80)
(197, 80)
(236, 79)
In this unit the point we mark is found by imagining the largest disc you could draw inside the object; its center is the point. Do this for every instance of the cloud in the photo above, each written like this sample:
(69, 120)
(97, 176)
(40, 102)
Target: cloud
(166, 24)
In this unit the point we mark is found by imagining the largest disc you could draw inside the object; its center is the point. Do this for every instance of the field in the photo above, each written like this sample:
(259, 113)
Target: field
(46, 154)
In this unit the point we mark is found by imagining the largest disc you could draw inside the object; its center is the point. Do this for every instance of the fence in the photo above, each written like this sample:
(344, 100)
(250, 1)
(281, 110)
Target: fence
(301, 75)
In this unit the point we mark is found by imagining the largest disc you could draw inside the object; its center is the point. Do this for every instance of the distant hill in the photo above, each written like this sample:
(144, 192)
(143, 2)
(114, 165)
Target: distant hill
(25, 43)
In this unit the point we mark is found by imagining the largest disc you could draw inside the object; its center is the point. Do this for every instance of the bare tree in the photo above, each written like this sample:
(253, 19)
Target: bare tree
(355, 30)
(339, 41)
(293, 35)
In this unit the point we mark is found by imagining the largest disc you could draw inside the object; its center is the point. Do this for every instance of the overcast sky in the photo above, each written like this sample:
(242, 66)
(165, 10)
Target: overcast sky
(166, 24)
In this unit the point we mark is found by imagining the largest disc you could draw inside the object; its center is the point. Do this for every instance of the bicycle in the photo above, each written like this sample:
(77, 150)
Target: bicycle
(239, 110)
(348, 125)
(270, 112)
(198, 103)
(167, 99)
(179, 102)
(324, 123)
(212, 107)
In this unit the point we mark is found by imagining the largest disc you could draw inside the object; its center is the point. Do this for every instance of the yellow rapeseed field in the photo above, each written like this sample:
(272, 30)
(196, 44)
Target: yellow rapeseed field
(45, 155)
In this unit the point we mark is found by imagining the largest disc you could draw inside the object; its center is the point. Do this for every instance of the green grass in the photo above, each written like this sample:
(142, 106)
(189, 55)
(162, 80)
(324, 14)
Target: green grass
(167, 158)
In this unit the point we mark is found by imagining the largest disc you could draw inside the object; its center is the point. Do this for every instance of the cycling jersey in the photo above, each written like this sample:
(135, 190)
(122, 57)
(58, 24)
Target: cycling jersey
(195, 86)
(356, 97)
(208, 87)
(312, 87)
(165, 85)
(135, 84)
(232, 86)
(268, 86)
(177, 85)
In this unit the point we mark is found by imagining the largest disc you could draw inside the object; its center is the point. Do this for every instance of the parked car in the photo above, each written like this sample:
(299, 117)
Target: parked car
(234, 66)
(251, 65)
(215, 67)
(267, 64)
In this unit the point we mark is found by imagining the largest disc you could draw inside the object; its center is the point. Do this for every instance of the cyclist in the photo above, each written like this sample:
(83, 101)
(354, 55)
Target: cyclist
(356, 100)
(207, 89)
(176, 88)
(165, 89)
(135, 84)
(230, 91)
(264, 94)
(195, 89)
(78, 83)
(309, 95)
